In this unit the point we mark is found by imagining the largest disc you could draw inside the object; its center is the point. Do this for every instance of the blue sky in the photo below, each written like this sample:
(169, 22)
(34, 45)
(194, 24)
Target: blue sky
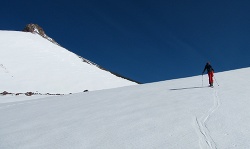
(149, 40)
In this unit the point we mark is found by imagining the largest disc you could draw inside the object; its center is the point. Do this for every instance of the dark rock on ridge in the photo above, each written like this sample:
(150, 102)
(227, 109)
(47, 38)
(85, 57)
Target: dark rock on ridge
(35, 28)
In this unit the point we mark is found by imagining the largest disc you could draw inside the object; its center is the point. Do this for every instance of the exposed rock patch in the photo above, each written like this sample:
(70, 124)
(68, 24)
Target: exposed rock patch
(35, 28)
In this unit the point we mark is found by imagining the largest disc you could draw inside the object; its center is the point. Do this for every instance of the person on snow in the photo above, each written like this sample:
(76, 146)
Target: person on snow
(210, 72)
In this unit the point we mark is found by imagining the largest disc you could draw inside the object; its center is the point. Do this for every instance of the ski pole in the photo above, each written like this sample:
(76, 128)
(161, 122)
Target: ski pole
(216, 81)
(202, 80)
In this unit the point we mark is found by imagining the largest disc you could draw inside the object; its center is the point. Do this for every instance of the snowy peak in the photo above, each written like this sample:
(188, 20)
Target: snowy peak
(35, 28)
(29, 63)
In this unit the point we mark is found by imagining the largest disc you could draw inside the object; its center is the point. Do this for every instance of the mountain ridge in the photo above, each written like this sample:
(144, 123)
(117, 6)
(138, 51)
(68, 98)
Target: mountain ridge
(27, 57)
(35, 28)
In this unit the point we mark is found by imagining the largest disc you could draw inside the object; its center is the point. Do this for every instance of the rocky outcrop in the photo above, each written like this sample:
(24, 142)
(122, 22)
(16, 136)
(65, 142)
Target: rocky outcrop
(35, 28)
(30, 94)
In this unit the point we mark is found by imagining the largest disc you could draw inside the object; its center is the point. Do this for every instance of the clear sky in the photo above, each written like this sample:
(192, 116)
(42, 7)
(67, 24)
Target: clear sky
(145, 40)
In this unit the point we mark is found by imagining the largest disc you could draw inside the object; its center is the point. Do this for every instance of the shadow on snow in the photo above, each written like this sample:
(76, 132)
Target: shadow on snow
(186, 88)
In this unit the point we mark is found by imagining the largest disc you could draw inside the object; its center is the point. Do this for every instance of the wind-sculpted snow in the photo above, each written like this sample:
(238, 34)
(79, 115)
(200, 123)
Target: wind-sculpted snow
(174, 114)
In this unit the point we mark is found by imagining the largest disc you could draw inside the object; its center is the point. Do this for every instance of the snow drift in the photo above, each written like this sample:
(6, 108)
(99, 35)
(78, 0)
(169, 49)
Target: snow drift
(30, 63)
(180, 113)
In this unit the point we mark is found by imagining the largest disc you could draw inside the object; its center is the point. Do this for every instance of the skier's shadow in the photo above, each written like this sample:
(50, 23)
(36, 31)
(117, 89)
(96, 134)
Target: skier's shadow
(186, 88)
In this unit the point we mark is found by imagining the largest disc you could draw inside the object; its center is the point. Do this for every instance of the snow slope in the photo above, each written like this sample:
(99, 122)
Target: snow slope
(174, 114)
(30, 63)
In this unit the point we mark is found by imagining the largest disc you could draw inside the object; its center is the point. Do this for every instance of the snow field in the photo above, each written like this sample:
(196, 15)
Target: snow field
(179, 113)
(175, 114)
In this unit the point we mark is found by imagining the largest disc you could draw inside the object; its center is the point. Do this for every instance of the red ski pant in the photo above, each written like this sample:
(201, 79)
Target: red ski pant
(210, 76)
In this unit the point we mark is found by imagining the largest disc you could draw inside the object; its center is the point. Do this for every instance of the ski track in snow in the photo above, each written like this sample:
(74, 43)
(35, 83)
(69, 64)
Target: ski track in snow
(205, 139)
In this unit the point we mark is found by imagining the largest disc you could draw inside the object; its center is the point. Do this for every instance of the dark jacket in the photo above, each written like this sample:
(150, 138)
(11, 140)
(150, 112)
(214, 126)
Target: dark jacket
(208, 67)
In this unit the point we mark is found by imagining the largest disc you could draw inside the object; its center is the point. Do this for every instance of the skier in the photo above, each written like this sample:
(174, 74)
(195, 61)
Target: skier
(210, 72)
